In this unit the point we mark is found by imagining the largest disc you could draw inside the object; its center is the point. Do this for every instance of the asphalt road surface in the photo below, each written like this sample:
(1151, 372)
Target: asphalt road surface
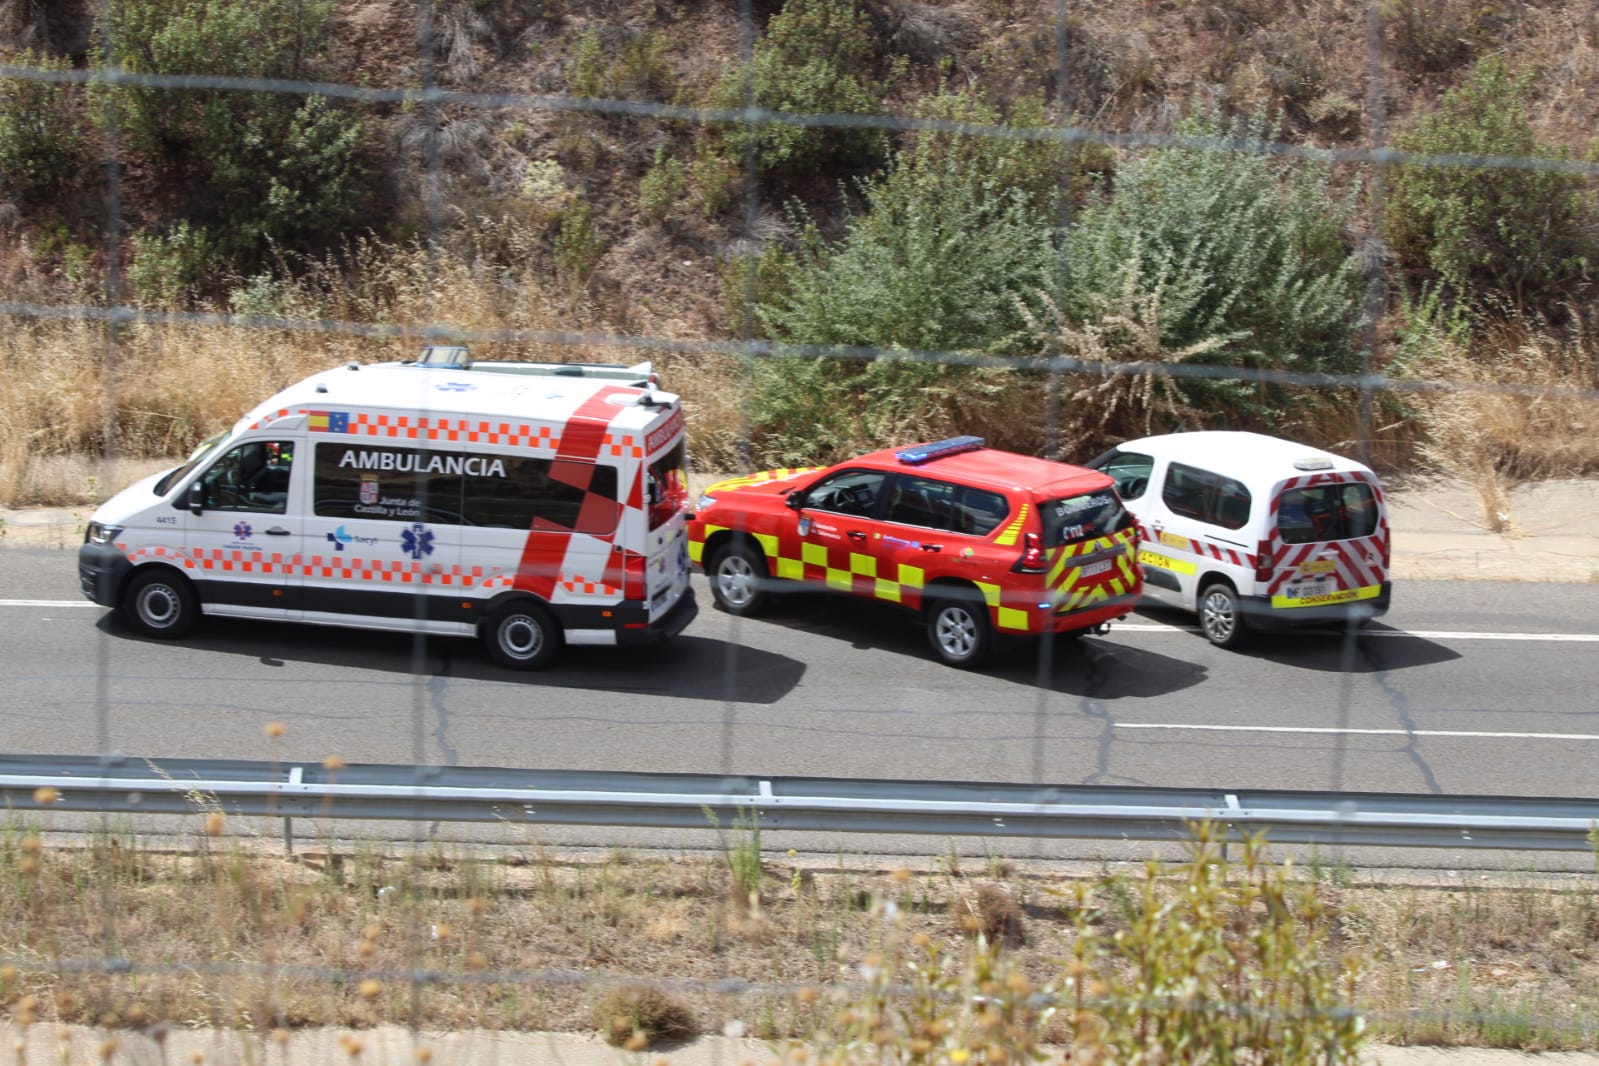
(1463, 688)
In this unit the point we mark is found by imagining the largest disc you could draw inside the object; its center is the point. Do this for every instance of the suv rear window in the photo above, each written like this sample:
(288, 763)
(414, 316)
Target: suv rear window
(1327, 512)
(1078, 518)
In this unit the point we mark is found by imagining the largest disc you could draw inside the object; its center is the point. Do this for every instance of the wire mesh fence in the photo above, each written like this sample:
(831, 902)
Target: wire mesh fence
(947, 957)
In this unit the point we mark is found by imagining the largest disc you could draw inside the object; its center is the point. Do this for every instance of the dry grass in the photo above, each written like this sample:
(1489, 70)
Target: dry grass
(1544, 425)
(525, 941)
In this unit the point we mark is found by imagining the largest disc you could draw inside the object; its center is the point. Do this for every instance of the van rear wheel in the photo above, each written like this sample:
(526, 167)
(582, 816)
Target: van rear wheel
(522, 636)
(160, 603)
(1219, 616)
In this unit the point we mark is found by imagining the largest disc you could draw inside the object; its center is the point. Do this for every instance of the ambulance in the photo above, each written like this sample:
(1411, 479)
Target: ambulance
(1252, 532)
(529, 505)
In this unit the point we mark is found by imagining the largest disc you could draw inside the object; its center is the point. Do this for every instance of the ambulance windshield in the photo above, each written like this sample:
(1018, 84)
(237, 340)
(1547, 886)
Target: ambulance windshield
(179, 474)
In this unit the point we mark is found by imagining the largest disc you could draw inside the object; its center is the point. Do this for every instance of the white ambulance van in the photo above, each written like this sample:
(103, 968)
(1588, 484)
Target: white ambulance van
(530, 505)
(1251, 531)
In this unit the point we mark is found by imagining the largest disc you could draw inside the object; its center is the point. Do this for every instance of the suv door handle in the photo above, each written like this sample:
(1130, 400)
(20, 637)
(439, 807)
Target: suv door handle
(932, 547)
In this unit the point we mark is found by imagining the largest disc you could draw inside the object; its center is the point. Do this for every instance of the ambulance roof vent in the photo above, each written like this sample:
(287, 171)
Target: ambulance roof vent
(1315, 462)
(449, 356)
(921, 453)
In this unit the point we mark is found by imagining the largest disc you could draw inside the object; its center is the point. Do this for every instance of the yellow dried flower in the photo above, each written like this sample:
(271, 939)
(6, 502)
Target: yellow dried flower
(333, 763)
(637, 1042)
(274, 730)
(214, 823)
(45, 795)
(371, 988)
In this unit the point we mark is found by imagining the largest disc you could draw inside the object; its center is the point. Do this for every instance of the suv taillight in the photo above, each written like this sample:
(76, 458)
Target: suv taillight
(1264, 563)
(1032, 560)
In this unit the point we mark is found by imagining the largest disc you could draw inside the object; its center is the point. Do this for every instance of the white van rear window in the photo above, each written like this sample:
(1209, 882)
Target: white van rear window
(1316, 513)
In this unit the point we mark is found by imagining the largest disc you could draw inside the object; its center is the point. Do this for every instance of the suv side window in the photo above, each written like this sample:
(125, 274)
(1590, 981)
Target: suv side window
(1205, 496)
(852, 492)
(932, 504)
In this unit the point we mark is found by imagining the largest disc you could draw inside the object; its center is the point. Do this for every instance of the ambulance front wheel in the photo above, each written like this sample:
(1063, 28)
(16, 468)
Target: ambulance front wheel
(958, 630)
(160, 603)
(1219, 617)
(522, 636)
(738, 579)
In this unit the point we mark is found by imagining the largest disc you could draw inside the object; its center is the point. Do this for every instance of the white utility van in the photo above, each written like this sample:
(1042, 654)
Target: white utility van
(532, 505)
(1252, 531)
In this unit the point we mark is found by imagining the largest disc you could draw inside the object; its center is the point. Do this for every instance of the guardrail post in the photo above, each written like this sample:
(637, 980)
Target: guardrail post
(288, 822)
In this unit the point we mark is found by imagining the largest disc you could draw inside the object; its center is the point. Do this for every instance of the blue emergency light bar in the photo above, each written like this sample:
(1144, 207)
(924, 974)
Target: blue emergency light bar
(921, 453)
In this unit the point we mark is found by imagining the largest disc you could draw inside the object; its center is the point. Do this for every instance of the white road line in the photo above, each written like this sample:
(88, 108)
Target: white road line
(1334, 730)
(48, 603)
(1424, 634)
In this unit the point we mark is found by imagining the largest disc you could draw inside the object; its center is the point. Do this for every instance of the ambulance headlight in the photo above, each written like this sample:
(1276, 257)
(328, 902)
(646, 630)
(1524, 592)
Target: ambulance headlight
(100, 533)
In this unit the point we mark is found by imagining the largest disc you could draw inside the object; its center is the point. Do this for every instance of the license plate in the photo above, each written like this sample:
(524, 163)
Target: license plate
(1307, 589)
(1096, 568)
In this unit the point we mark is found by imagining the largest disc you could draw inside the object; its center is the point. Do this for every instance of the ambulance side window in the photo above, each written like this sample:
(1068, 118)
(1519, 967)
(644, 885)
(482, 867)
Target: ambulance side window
(538, 494)
(385, 484)
(253, 476)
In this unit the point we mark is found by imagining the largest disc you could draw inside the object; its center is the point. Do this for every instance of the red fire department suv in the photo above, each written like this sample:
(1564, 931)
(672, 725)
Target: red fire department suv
(981, 542)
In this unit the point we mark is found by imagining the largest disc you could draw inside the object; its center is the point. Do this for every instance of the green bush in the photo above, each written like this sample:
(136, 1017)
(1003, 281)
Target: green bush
(660, 191)
(932, 267)
(41, 134)
(257, 168)
(578, 246)
(817, 57)
(1234, 245)
(1485, 232)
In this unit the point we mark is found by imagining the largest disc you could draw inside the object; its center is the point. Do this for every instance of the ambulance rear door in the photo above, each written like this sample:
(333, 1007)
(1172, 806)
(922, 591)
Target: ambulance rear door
(660, 515)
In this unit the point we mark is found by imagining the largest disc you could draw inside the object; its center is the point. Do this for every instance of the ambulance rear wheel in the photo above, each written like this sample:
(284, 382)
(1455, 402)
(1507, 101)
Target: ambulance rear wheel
(958, 630)
(738, 579)
(522, 636)
(160, 603)
(1219, 617)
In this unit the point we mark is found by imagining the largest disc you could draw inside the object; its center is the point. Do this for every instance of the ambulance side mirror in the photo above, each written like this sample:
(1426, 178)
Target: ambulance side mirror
(794, 501)
(197, 496)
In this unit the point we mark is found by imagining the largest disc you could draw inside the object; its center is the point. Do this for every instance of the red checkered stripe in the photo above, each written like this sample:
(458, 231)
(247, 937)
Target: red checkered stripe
(271, 417)
(581, 587)
(1351, 569)
(461, 430)
(393, 571)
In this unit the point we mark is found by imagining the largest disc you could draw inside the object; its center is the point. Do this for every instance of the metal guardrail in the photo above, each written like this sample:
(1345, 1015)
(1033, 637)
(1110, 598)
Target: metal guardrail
(127, 785)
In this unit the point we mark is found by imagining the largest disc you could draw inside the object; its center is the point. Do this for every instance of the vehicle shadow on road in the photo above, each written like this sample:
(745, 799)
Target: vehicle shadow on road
(1088, 666)
(689, 667)
(1373, 648)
